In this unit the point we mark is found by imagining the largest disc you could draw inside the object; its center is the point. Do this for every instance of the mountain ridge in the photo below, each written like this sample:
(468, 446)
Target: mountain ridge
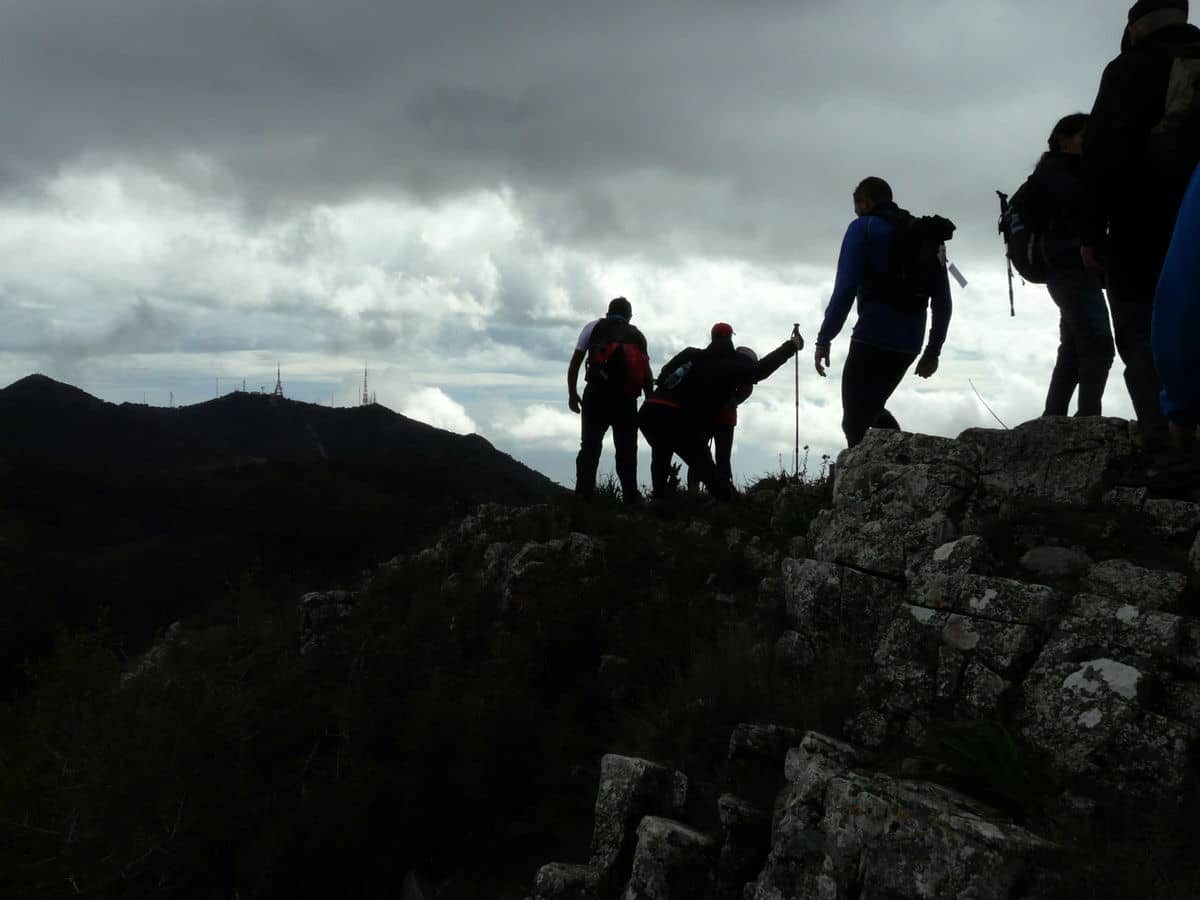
(45, 417)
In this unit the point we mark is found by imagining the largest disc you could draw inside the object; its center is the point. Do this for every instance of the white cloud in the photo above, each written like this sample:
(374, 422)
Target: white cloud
(545, 426)
(434, 407)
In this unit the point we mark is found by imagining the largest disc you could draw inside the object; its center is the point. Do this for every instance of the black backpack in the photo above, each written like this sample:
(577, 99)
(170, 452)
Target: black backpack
(1025, 223)
(916, 260)
(1173, 149)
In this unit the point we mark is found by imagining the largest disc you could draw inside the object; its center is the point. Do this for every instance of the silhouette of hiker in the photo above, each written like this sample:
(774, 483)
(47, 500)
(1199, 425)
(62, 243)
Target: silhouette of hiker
(617, 371)
(723, 424)
(895, 266)
(1141, 147)
(1176, 331)
(1085, 342)
(677, 418)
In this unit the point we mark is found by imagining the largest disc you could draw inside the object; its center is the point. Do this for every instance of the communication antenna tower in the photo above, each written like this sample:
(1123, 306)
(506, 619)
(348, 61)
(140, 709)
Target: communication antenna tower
(278, 392)
(366, 398)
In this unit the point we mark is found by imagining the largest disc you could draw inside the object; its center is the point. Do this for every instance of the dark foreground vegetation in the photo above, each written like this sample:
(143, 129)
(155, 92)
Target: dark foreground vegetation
(440, 733)
(437, 734)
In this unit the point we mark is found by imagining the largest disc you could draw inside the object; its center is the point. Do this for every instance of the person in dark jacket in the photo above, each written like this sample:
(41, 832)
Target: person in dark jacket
(677, 417)
(1085, 348)
(1176, 333)
(721, 428)
(604, 405)
(888, 336)
(1135, 176)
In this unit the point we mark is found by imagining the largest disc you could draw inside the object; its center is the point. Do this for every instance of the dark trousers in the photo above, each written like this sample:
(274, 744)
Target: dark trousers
(722, 445)
(601, 412)
(671, 433)
(1085, 344)
(1132, 305)
(869, 378)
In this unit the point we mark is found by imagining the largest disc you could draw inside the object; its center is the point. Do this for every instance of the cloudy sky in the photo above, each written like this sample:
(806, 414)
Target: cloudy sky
(192, 191)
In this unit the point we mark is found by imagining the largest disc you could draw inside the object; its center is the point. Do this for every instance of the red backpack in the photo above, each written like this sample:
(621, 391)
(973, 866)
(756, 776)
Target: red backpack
(616, 358)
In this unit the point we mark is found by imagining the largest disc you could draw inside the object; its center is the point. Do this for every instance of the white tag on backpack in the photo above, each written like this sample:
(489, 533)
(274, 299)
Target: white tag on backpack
(957, 275)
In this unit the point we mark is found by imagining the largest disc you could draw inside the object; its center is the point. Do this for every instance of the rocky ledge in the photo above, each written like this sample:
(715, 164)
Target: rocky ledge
(1027, 580)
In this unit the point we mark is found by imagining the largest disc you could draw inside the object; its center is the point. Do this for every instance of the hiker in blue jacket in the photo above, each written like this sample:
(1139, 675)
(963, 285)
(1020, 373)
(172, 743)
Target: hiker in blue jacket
(890, 331)
(1176, 327)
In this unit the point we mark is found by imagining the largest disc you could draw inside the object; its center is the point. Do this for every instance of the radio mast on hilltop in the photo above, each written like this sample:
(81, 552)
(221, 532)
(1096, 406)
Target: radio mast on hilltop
(278, 392)
(366, 398)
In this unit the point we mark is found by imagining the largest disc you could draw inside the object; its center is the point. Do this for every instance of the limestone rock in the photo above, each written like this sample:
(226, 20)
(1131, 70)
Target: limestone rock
(560, 881)
(1055, 563)
(630, 789)
(897, 497)
(1173, 518)
(1058, 461)
(671, 862)
(1144, 588)
(841, 832)
(967, 555)
(832, 605)
(1093, 719)
(1098, 701)
(1002, 599)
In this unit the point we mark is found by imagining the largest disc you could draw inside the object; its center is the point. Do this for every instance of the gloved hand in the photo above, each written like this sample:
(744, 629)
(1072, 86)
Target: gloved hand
(927, 365)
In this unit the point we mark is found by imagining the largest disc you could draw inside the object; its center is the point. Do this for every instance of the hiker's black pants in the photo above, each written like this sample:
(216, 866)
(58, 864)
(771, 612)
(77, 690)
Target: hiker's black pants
(1085, 344)
(601, 411)
(869, 377)
(670, 432)
(722, 448)
(1132, 303)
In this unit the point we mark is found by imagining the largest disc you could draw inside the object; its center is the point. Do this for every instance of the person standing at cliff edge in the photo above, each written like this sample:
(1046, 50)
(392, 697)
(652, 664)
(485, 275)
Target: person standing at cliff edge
(895, 265)
(1142, 144)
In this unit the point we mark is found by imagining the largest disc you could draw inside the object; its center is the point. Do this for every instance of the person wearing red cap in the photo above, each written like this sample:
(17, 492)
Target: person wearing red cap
(720, 432)
(1139, 153)
(677, 418)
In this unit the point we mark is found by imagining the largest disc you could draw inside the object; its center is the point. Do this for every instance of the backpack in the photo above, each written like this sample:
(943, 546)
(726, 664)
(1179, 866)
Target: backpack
(1173, 148)
(1025, 223)
(616, 358)
(916, 256)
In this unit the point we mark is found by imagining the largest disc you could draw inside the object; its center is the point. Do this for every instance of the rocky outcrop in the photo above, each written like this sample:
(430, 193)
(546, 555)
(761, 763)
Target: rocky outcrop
(630, 790)
(844, 832)
(1075, 642)
(1022, 583)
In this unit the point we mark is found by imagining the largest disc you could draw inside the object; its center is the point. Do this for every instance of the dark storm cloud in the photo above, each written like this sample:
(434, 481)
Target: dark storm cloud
(698, 128)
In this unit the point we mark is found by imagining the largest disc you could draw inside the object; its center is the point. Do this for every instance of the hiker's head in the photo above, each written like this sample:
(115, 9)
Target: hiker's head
(870, 193)
(1148, 16)
(1067, 136)
(721, 337)
(621, 307)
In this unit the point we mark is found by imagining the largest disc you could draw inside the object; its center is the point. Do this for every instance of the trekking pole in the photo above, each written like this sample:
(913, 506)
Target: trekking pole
(1012, 309)
(796, 450)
